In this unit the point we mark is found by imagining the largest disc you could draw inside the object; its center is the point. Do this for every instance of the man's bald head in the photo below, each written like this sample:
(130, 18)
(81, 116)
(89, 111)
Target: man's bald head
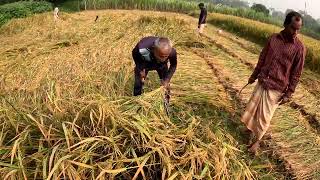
(162, 48)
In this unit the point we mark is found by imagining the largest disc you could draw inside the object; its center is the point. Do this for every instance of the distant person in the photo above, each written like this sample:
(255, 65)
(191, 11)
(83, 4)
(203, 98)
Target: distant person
(97, 17)
(202, 18)
(153, 53)
(56, 13)
(278, 71)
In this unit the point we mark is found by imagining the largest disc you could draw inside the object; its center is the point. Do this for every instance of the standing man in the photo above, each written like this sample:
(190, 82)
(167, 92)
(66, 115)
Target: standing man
(56, 13)
(202, 18)
(278, 71)
(153, 53)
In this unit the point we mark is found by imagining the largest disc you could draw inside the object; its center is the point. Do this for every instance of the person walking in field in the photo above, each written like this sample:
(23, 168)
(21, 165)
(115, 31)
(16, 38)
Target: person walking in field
(153, 53)
(278, 71)
(202, 18)
(56, 13)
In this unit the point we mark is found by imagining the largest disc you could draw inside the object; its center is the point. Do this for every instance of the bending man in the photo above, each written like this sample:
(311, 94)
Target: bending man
(153, 53)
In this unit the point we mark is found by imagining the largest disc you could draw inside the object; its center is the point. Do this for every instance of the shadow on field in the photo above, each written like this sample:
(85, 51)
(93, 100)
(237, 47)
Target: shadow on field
(211, 114)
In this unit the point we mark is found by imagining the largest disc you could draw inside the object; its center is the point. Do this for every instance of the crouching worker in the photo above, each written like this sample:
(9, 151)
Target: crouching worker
(278, 71)
(153, 53)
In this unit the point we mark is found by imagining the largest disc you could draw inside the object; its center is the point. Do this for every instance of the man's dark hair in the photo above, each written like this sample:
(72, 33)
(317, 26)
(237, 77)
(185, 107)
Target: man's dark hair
(289, 16)
(201, 5)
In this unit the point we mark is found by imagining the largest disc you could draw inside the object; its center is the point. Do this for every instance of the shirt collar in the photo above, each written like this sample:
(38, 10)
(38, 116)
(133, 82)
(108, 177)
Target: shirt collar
(286, 38)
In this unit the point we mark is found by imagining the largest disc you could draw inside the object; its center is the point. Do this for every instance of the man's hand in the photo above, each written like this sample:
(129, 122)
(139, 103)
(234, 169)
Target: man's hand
(251, 80)
(283, 100)
(166, 85)
(143, 75)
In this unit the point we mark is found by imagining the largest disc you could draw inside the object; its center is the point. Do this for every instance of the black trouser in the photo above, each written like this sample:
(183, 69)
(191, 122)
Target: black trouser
(162, 70)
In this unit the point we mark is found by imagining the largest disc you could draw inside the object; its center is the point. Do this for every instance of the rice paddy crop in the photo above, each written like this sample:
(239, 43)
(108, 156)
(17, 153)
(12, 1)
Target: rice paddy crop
(166, 5)
(232, 19)
(67, 111)
(259, 32)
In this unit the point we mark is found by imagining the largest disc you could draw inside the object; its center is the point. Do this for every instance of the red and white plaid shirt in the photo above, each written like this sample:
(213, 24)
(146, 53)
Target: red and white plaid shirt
(280, 64)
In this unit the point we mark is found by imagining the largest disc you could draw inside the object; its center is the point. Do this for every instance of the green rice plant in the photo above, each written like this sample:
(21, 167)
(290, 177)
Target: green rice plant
(22, 9)
(162, 5)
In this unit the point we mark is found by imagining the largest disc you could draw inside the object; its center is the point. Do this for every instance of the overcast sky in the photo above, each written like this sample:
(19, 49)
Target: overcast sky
(313, 6)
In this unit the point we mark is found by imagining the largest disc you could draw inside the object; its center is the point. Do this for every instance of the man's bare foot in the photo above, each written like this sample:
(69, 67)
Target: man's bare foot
(254, 147)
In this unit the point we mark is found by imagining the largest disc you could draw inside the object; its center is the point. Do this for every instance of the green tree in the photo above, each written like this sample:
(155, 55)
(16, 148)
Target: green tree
(232, 3)
(278, 15)
(260, 8)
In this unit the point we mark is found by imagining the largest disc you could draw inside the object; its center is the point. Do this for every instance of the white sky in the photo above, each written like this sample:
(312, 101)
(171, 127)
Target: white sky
(313, 6)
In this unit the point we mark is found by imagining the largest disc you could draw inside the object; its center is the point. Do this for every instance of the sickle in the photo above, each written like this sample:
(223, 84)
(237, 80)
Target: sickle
(242, 89)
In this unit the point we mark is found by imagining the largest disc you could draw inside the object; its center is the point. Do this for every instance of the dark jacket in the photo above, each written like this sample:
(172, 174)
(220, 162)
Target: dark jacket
(203, 16)
(147, 44)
